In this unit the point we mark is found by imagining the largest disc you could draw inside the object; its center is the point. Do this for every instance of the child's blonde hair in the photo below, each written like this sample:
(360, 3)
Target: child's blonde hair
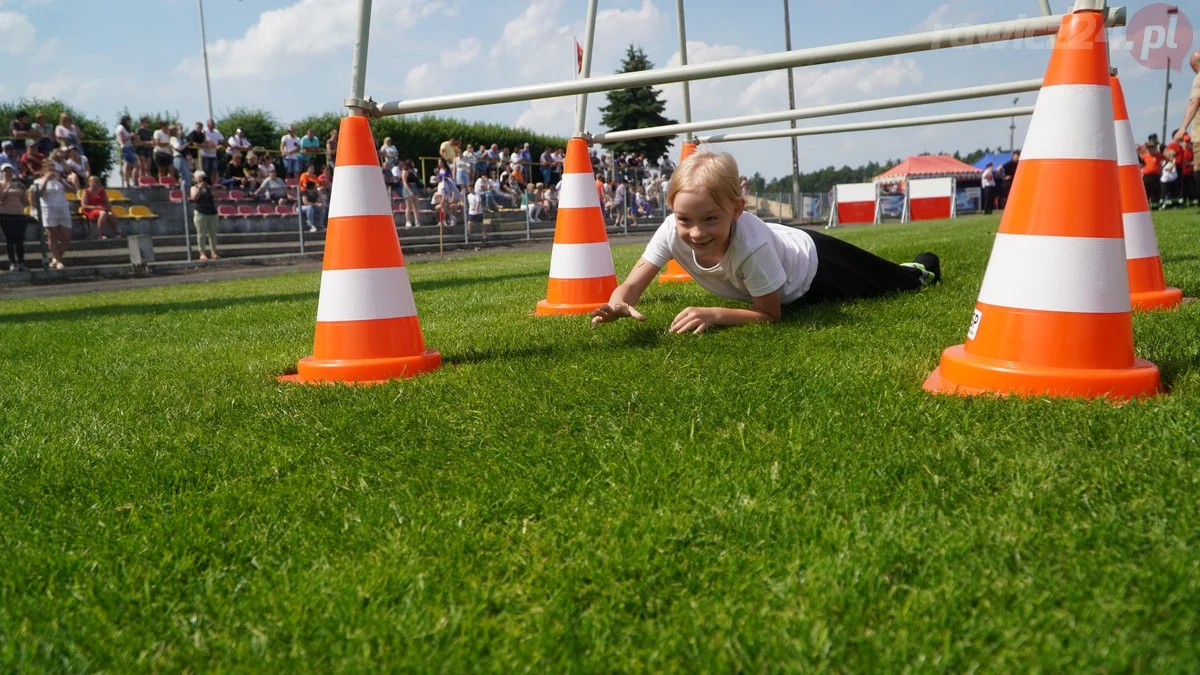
(1169, 154)
(713, 172)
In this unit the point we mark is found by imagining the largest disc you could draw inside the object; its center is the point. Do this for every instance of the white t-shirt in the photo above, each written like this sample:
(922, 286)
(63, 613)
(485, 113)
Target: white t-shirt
(290, 144)
(474, 205)
(482, 185)
(124, 138)
(216, 138)
(762, 258)
(461, 165)
(237, 144)
(161, 138)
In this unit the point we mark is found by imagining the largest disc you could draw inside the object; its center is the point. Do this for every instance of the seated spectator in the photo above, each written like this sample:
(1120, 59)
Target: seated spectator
(447, 199)
(506, 193)
(483, 190)
(252, 173)
(273, 189)
(311, 207)
(97, 209)
(78, 164)
(641, 205)
(67, 134)
(309, 176)
(31, 164)
(326, 179)
(235, 174)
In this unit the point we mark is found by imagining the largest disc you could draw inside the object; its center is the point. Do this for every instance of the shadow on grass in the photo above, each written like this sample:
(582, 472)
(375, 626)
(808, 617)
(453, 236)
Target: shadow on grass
(1180, 258)
(1171, 370)
(456, 282)
(142, 309)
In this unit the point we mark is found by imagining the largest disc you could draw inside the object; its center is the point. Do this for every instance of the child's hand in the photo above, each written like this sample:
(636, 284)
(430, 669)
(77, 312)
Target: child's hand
(606, 313)
(693, 319)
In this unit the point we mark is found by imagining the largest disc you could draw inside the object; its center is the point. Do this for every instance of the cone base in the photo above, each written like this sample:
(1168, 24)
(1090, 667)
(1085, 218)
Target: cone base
(665, 278)
(363, 371)
(1167, 298)
(544, 308)
(964, 374)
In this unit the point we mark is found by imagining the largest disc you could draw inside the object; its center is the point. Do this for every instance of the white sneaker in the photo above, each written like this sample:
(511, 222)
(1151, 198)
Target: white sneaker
(408, 225)
(453, 222)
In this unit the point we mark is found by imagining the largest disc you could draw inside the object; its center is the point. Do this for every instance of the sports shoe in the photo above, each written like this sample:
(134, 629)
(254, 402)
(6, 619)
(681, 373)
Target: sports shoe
(930, 267)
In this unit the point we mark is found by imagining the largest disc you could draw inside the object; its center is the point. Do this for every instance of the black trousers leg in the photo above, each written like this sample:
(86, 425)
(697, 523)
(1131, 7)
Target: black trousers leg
(14, 237)
(846, 272)
(989, 199)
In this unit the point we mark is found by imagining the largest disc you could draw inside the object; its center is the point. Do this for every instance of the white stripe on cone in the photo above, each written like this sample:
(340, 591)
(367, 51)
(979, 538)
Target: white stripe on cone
(1140, 241)
(1126, 146)
(359, 191)
(365, 294)
(581, 261)
(578, 191)
(1057, 274)
(1072, 121)
(924, 188)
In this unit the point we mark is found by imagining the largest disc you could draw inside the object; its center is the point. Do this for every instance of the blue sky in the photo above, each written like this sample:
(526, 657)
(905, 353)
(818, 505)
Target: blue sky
(293, 58)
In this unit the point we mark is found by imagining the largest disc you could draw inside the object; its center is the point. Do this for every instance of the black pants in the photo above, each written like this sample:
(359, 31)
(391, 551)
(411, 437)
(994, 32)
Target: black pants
(846, 272)
(1153, 184)
(1188, 183)
(14, 237)
(989, 199)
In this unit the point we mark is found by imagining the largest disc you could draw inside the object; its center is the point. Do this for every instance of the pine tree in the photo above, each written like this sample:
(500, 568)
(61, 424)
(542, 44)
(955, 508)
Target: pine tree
(637, 108)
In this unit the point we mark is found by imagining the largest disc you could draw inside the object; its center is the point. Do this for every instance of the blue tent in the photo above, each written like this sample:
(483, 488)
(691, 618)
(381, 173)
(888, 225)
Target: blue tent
(996, 158)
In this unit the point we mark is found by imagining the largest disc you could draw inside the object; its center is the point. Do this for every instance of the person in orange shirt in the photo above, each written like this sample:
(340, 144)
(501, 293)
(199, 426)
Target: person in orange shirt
(1150, 154)
(1187, 168)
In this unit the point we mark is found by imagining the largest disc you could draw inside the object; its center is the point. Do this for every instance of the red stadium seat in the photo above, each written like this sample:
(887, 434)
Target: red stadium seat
(176, 196)
(168, 182)
(220, 194)
(147, 181)
(226, 211)
(265, 210)
(237, 195)
(291, 182)
(246, 211)
(285, 210)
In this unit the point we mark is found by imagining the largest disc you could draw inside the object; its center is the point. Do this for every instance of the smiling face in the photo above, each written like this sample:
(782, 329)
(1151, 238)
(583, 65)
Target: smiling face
(704, 224)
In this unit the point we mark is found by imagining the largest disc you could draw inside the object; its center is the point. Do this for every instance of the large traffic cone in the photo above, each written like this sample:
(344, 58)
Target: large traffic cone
(582, 276)
(674, 272)
(367, 327)
(1147, 287)
(1054, 316)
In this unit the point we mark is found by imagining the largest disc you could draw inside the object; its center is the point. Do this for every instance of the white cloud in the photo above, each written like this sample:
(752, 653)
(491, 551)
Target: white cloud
(938, 18)
(466, 53)
(422, 80)
(282, 38)
(550, 116)
(65, 87)
(19, 34)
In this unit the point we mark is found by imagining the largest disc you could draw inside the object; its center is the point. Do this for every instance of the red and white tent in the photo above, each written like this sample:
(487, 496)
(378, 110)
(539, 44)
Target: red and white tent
(929, 166)
(930, 184)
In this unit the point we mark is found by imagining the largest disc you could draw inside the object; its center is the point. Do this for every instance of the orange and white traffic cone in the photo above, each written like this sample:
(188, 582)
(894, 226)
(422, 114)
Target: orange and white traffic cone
(1147, 287)
(367, 327)
(582, 276)
(1054, 316)
(674, 272)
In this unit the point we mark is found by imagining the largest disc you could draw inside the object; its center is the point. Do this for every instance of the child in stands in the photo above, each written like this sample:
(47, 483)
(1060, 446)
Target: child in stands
(733, 254)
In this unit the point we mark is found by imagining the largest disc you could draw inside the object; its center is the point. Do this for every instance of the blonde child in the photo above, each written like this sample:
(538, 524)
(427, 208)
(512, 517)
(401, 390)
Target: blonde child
(735, 255)
(1169, 179)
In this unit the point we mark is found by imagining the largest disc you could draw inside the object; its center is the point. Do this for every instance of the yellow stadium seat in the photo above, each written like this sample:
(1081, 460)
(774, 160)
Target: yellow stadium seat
(116, 196)
(120, 211)
(139, 211)
(72, 196)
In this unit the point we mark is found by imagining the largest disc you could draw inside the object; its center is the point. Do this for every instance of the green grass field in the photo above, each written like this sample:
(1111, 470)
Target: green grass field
(561, 499)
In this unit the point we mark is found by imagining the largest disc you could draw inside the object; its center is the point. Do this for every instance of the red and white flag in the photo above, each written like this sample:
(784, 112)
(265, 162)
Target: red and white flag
(578, 57)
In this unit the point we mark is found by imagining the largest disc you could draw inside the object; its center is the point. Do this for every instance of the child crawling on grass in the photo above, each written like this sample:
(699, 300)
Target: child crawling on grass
(736, 255)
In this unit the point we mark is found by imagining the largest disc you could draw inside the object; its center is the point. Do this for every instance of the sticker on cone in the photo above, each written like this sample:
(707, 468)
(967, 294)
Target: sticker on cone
(1054, 315)
(582, 276)
(674, 272)
(1147, 286)
(367, 327)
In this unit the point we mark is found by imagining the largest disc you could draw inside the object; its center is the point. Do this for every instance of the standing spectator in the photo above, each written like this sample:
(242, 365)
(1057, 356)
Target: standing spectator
(310, 145)
(471, 160)
(1151, 158)
(204, 216)
(68, 134)
(989, 188)
(1187, 168)
(44, 133)
(56, 213)
(331, 149)
(493, 158)
(462, 172)
(1190, 116)
(310, 201)
(144, 144)
(448, 151)
(129, 160)
(1008, 173)
(213, 140)
(22, 132)
(238, 144)
(179, 150)
(389, 155)
(31, 163)
(619, 207)
(547, 166)
(744, 184)
(12, 217)
(557, 168)
(289, 149)
(1169, 179)
(195, 141)
(475, 214)
(399, 173)
(97, 209)
(163, 154)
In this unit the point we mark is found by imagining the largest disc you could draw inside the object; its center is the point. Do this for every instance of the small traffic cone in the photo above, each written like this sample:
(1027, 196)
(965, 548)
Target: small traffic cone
(674, 272)
(367, 327)
(1147, 288)
(582, 276)
(1054, 316)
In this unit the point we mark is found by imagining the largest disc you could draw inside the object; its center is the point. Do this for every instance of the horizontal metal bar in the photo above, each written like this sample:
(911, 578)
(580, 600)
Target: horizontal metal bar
(824, 111)
(869, 126)
(905, 44)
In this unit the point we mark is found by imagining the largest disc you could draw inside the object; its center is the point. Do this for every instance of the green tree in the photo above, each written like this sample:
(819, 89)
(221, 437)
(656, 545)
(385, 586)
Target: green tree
(637, 108)
(97, 139)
